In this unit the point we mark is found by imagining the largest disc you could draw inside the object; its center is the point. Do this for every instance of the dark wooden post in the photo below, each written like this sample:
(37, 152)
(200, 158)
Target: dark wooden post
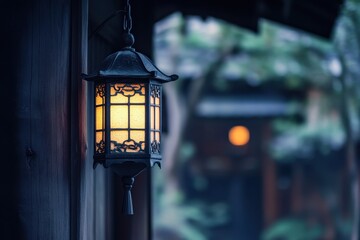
(82, 202)
(40, 84)
(44, 112)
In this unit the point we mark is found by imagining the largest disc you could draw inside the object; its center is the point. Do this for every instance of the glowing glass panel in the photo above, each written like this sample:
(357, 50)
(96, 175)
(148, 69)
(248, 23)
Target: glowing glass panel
(137, 116)
(119, 98)
(137, 136)
(157, 118)
(99, 100)
(119, 116)
(100, 94)
(152, 120)
(100, 136)
(119, 136)
(99, 117)
(157, 136)
(139, 97)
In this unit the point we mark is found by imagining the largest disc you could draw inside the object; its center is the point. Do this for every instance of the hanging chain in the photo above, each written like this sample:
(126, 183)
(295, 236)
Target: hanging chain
(127, 24)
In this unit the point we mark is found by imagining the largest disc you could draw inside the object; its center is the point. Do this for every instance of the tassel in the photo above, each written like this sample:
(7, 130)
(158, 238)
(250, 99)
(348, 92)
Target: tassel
(127, 207)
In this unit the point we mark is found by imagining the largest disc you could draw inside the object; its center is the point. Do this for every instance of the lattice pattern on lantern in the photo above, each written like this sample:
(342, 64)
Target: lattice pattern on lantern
(127, 117)
(155, 117)
(100, 118)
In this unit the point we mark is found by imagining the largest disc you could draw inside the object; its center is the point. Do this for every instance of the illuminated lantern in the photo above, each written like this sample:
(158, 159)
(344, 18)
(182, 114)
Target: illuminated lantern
(127, 106)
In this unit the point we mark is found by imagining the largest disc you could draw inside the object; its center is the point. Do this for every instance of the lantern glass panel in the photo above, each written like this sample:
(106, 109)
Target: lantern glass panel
(139, 97)
(99, 117)
(100, 142)
(137, 136)
(119, 136)
(137, 116)
(155, 118)
(127, 117)
(100, 94)
(119, 116)
(99, 136)
(152, 117)
(157, 136)
(117, 98)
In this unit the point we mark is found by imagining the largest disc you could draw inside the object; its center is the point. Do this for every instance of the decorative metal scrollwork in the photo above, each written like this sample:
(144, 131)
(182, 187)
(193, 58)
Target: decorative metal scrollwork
(155, 147)
(128, 145)
(100, 90)
(128, 90)
(155, 91)
(100, 147)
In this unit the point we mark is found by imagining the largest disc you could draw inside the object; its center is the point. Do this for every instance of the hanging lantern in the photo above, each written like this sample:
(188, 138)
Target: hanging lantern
(128, 106)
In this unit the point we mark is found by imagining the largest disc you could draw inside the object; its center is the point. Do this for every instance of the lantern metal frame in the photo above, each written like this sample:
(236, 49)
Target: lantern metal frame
(128, 67)
(144, 73)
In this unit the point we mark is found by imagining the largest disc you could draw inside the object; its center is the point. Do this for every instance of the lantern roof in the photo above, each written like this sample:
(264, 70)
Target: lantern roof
(129, 64)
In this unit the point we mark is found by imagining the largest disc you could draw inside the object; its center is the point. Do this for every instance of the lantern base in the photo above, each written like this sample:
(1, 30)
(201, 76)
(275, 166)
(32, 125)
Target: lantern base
(149, 161)
(129, 169)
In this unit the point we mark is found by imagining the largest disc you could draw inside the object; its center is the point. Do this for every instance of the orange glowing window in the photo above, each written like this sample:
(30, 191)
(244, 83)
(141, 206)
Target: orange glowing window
(239, 135)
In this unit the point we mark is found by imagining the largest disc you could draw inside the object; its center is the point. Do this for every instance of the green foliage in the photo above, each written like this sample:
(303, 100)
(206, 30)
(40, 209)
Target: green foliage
(293, 229)
(279, 55)
(187, 220)
(320, 133)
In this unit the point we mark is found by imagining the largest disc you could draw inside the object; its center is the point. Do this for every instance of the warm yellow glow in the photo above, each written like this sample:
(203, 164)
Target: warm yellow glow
(157, 101)
(119, 136)
(239, 135)
(119, 98)
(99, 100)
(157, 118)
(137, 98)
(99, 136)
(152, 122)
(137, 136)
(157, 136)
(154, 136)
(99, 118)
(137, 116)
(119, 116)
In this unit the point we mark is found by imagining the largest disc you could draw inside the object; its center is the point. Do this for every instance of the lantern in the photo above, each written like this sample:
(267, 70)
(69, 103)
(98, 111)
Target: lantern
(127, 107)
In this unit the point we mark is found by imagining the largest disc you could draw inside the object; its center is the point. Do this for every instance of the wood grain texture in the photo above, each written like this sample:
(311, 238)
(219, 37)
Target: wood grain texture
(44, 86)
(40, 93)
(81, 172)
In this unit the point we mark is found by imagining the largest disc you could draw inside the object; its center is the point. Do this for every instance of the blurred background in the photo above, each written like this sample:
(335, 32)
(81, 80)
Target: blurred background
(264, 140)
(261, 131)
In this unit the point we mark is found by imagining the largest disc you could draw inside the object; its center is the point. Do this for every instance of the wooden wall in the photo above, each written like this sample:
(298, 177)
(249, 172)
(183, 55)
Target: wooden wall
(44, 109)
